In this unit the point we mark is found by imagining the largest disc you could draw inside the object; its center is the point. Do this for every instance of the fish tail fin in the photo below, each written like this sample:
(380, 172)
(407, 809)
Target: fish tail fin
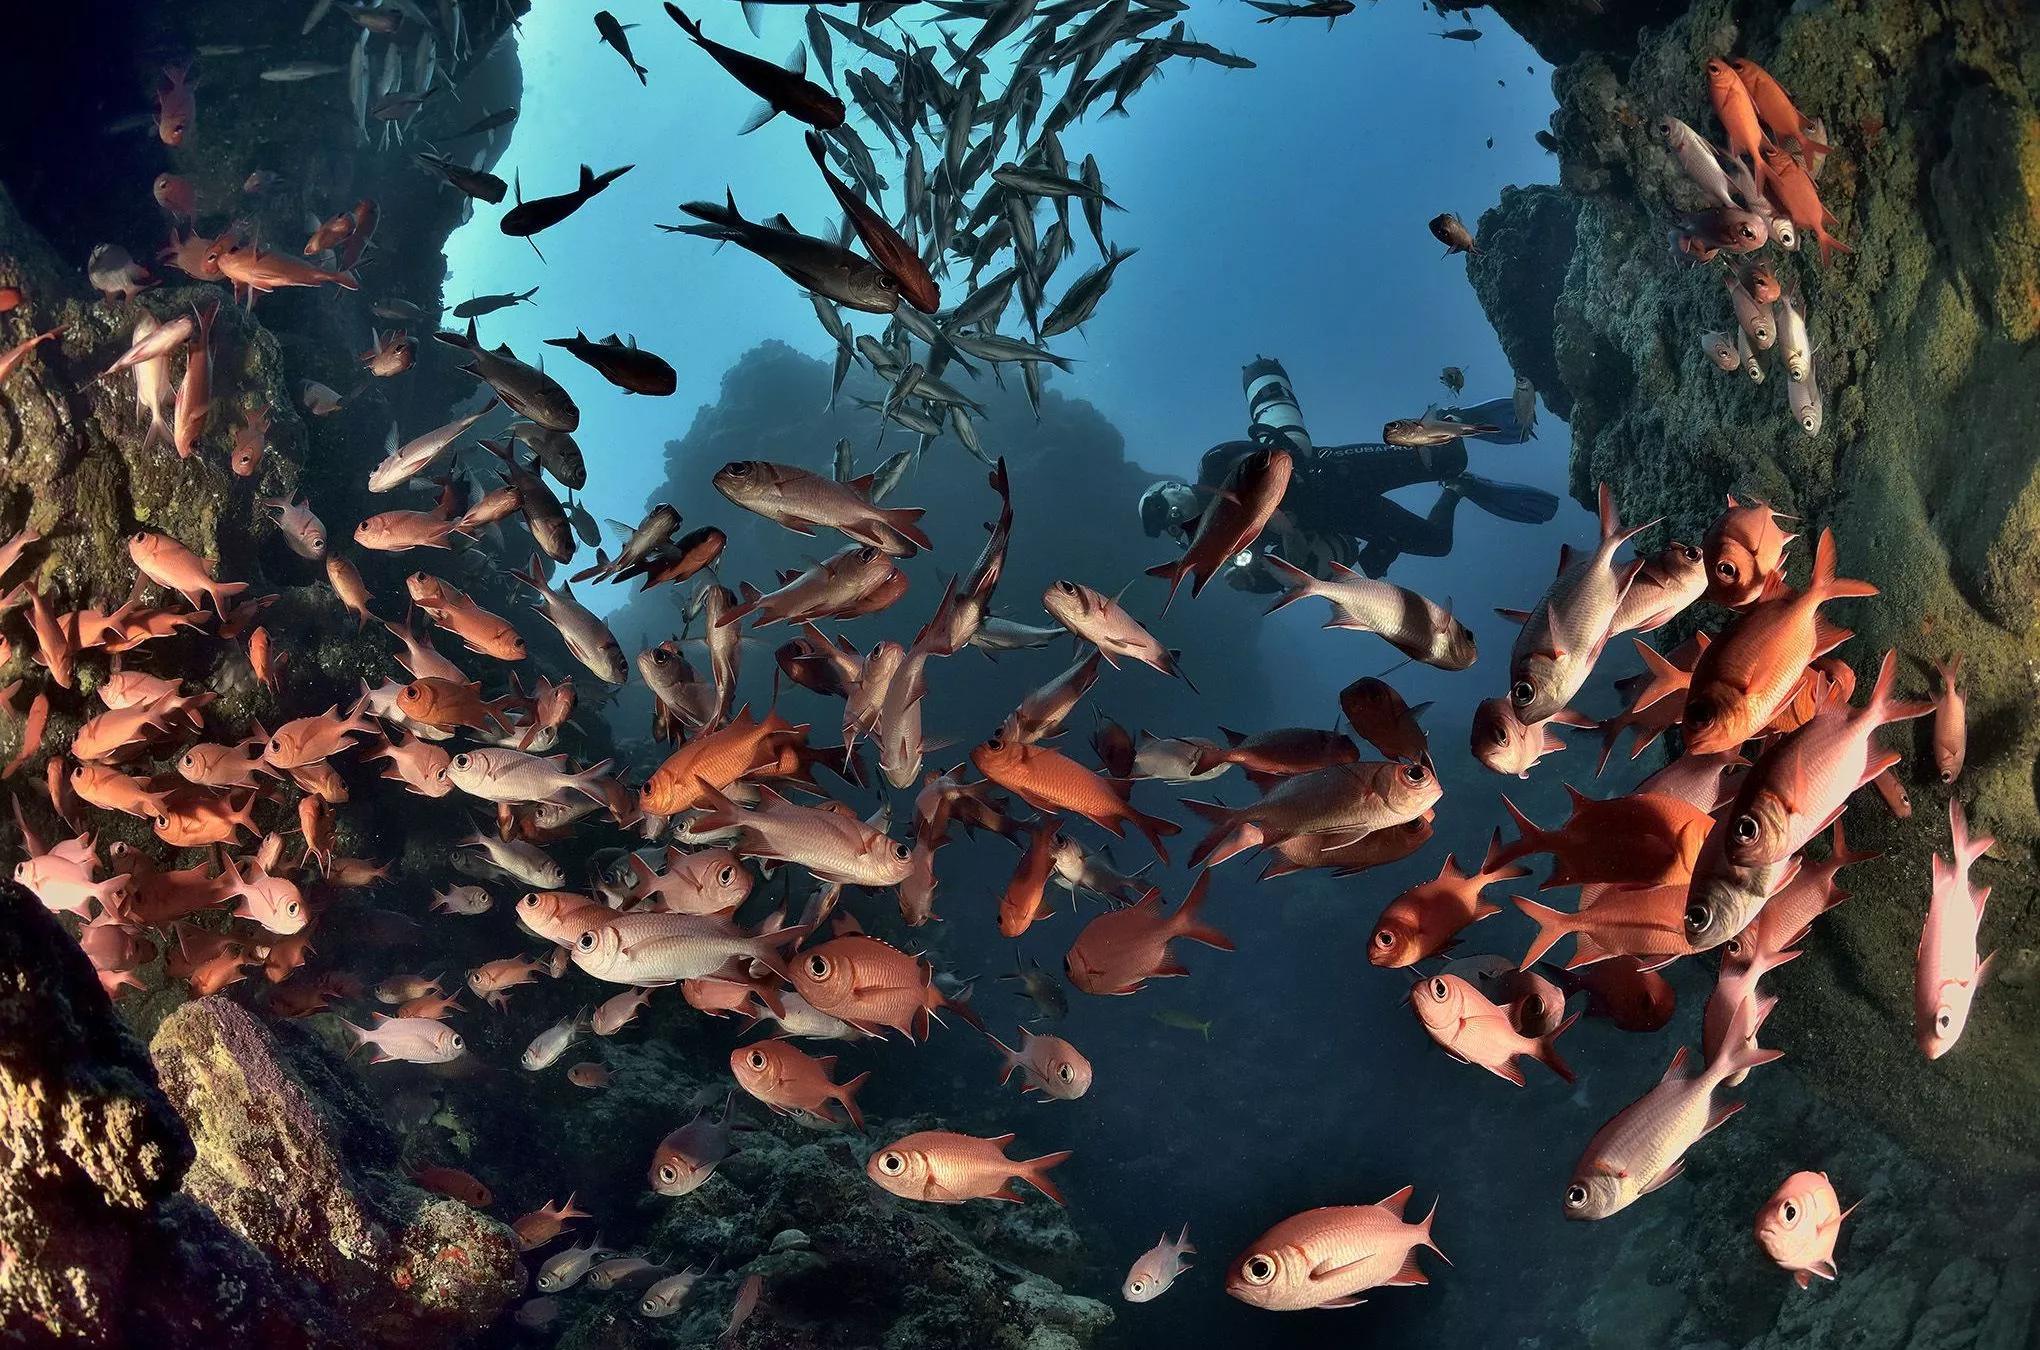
(1547, 1049)
(1966, 849)
(1949, 671)
(1882, 707)
(1739, 1052)
(1493, 868)
(905, 520)
(1841, 855)
(1034, 1171)
(1527, 831)
(1187, 922)
(1830, 586)
(1173, 573)
(687, 25)
(1666, 679)
(1552, 924)
(1301, 582)
(1154, 829)
(1222, 824)
(847, 1094)
(1424, 1238)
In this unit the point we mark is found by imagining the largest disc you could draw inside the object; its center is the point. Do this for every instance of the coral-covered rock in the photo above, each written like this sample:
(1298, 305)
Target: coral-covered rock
(88, 1142)
(292, 1156)
(1526, 242)
(1925, 464)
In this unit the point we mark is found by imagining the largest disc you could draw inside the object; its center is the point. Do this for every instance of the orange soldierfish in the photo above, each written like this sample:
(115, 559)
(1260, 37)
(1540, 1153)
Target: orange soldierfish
(1947, 973)
(868, 984)
(173, 566)
(256, 271)
(1350, 852)
(307, 740)
(454, 1184)
(1788, 915)
(1327, 1258)
(194, 395)
(688, 1156)
(793, 1082)
(18, 353)
(898, 257)
(1622, 991)
(1645, 1145)
(1738, 114)
(1647, 922)
(1795, 192)
(1472, 1028)
(176, 107)
(1049, 1065)
(1122, 949)
(947, 1169)
(1644, 839)
(1424, 920)
(251, 439)
(1749, 672)
(1801, 784)
(1024, 900)
(1232, 521)
(717, 758)
(545, 1223)
(1562, 638)
(1371, 795)
(1774, 106)
(1283, 752)
(1049, 780)
(1379, 717)
(1951, 732)
(1798, 1225)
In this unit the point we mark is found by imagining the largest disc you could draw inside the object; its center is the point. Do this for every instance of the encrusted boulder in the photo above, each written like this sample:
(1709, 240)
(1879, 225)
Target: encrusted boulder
(1526, 243)
(292, 1156)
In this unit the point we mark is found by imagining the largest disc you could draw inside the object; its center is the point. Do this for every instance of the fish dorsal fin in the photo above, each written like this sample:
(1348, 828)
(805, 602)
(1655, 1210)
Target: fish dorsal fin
(796, 60)
(1676, 1068)
(1394, 1204)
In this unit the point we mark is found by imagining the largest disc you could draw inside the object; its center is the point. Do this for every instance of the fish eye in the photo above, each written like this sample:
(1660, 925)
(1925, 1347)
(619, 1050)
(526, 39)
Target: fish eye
(902, 852)
(1522, 692)
(756, 1059)
(887, 282)
(1697, 916)
(1384, 939)
(1943, 1020)
(1726, 570)
(891, 1163)
(1257, 1269)
(292, 908)
(726, 876)
(1689, 553)
(1414, 773)
(1789, 1212)
(1066, 587)
(1438, 989)
(1733, 947)
(669, 1174)
(818, 966)
(162, 822)
(460, 761)
(586, 942)
(1575, 1196)
(455, 1041)
(1947, 776)
(530, 901)
(1065, 1072)
(1746, 829)
(996, 743)
(1136, 1287)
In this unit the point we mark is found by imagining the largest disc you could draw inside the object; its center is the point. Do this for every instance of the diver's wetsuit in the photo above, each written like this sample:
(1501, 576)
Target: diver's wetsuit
(1337, 498)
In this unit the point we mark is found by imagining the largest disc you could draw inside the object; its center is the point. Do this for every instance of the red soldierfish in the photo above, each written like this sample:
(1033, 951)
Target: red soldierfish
(1801, 784)
(1426, 919)
(1951, 732)
(1327, 1258)
(1122, 949)
(1946, 977)
(948, 1169)
(1562, 638)
(1252, 492)
(1798, 1225)
(1475, 1030)
(1645, 1145)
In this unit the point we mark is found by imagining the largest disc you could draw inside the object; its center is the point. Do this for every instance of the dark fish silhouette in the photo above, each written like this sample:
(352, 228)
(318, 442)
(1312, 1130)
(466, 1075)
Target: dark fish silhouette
(542, 213)
(784, 91)
(623, 365)
(612, 33)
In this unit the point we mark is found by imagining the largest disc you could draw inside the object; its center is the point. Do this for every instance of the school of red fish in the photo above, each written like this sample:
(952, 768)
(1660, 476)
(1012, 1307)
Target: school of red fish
(1709, 853)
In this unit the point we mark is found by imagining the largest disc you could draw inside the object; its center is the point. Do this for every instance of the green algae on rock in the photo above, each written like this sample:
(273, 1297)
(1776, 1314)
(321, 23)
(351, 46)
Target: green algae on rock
(1926, 467)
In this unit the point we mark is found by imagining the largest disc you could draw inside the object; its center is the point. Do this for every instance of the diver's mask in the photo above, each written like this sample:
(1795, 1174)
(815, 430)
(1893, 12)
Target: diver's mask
(1170, 505)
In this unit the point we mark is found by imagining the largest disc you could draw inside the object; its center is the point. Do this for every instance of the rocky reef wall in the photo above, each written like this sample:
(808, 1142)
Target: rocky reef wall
(1925, 340)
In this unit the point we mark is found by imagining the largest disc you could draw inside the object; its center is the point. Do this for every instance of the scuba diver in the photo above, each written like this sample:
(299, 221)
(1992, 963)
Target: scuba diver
(1337, 509)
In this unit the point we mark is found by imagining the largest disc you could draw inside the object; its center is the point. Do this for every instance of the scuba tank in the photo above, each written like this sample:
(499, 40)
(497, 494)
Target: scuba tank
(1273, 417)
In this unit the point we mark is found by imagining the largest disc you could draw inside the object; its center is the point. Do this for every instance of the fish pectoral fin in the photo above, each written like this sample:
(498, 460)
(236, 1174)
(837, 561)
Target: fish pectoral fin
(1668, 1175)
(1339, 1302)
(1719, 1117)
(1325, 1271)
(1409, 1274)
(1825, 1268)
(761, 114)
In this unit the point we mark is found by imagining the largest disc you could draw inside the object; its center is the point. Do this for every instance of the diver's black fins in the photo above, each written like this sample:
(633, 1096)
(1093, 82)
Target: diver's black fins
(1510, 501)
